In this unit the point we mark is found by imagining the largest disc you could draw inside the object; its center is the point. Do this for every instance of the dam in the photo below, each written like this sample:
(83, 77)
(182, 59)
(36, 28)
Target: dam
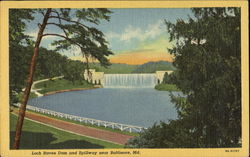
(129, 81)
(140, 80)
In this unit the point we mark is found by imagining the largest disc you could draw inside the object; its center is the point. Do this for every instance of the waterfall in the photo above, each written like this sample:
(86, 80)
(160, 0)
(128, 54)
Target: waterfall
(129, 80)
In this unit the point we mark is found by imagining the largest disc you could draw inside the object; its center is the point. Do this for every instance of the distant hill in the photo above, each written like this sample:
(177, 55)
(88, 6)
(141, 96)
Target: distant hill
(151, 67)
(115, 68)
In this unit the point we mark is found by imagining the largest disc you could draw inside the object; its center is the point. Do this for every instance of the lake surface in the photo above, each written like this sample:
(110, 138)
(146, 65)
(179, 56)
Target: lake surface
(134, 106)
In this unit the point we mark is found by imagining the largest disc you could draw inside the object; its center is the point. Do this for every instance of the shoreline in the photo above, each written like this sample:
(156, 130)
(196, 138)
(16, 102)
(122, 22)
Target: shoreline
(69, 90)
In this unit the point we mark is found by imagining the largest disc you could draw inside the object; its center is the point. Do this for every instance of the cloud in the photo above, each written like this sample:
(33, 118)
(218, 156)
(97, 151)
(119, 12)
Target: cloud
(153, 30)
(130, 32)
(160, 43)
(32, 34)
(111, 35)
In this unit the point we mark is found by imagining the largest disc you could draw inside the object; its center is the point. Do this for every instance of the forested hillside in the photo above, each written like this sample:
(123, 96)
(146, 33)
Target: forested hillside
(114, 68)
(49, 64)
(151, 67)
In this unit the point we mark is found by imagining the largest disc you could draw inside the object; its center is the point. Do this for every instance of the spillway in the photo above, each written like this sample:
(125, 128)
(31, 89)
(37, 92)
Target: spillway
(129, 80)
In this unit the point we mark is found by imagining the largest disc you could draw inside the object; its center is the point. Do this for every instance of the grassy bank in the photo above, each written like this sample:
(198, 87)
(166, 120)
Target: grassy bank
(166, 87)
(61, 84)
(20, 96)
(39, 136)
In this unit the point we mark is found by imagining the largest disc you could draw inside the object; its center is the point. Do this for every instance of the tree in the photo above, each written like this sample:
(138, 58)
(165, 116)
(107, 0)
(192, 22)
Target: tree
(50, 64)
(74, 71)
(76, 33)
(90, 40)
(208, 71)
(17, 51)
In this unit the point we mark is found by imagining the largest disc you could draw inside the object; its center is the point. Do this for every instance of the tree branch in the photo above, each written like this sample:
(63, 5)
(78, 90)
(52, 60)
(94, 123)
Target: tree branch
(41, 12)
(76, 22)
(58, 35)
(59, 19)
(58, 25)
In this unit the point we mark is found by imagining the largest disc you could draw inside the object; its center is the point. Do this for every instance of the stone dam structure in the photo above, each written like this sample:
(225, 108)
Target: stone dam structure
(125, 80)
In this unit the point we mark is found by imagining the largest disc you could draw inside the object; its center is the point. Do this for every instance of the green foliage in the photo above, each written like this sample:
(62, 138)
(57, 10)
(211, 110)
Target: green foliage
(208, 71)
(114, 68)
(117, 68)
(74, 71)
(19, 56)
(20, 96)
(166, 87)
(166, 78)
(50, 64)
(172, 135)
(90, 40)
(167, 83)
(169, 78)
(61, 84)
(77, 25)
(18, 53)
(152, 67)
(17, 25)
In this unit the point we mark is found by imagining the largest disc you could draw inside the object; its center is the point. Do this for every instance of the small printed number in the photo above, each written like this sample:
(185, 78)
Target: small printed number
(231, 150)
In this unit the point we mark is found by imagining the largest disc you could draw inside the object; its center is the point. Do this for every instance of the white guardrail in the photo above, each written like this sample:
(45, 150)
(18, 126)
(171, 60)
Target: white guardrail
(113, 125)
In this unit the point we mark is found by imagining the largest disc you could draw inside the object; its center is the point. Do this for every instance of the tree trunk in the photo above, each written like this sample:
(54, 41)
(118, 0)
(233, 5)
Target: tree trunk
(87, 61)
(29, 82)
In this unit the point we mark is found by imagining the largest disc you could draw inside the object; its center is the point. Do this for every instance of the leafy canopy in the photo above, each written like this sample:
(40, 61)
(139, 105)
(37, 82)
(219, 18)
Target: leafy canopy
(78, 30)
(208, 72)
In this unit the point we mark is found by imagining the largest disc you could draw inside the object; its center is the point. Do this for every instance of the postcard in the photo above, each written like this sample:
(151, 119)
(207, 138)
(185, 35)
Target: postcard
(124, 78)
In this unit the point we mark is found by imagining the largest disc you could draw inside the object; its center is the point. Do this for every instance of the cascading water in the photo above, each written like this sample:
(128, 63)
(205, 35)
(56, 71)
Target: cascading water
(129, 80)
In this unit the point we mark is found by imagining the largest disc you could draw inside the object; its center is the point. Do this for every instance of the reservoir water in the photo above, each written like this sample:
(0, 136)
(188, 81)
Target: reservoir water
(135, 106)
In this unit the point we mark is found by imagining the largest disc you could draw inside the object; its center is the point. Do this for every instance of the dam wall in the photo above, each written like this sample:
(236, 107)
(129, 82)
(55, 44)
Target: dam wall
(125, 80)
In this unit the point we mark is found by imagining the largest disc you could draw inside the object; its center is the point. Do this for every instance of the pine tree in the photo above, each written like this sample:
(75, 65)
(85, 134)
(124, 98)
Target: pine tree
(89, 39)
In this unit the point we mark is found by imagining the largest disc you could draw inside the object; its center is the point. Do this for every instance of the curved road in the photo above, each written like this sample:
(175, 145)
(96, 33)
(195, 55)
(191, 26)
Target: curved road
(35, 82)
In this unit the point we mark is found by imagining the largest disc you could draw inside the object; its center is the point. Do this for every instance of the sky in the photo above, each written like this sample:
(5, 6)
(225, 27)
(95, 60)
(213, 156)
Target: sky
(135, 36)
